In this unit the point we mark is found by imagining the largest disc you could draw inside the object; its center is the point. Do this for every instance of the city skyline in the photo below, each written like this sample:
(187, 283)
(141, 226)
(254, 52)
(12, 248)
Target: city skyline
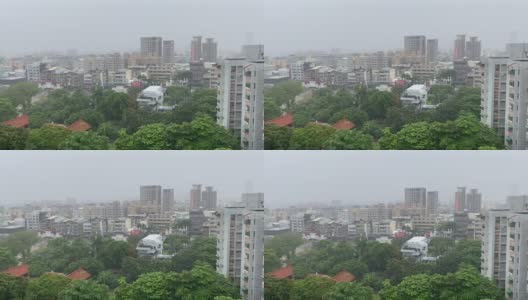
(338, 26)
(285, 177)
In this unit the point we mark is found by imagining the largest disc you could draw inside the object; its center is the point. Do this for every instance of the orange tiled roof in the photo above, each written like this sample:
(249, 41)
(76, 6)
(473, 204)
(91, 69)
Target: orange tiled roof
(79, 274)
(18, 122)
(344, 124)
(283, 121)
(344, 276)
(282, 273)
(80, 125)
(18, 271)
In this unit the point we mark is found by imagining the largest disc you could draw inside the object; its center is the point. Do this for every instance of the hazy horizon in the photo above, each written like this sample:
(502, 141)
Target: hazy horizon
(284, 27)
(286, 178)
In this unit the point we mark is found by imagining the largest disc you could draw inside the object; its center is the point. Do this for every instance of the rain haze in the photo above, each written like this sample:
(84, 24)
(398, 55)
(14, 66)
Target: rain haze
(283, 26)
(286, 178)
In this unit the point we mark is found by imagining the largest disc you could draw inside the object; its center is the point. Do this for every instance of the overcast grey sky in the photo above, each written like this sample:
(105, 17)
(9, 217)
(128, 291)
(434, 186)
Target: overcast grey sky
(286, 178)
(282, 25)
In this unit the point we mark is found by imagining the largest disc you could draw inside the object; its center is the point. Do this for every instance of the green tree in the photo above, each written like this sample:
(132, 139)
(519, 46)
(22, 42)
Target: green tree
(284, 92)
(311, 288)
(21, 93)
(12, 288)
(175, 243)
(49, 137)
(271, 260)
(311, 137)
(86, 140)
(13, 138)
(112, 253)
(377, 104)
(84, 290)
(271, 109)
(112, 105)
(150, 286)
(284, 244)
(277, 289)
(6, 259)
(349, 291)
(7, 110)
(47, 287)
(349, 140)
(108, 278)
(277, 138)
(149, 137)
(20, 243)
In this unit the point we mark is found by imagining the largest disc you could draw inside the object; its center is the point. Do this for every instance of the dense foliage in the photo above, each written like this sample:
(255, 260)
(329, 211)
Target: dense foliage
(116, 272)
(382, 123)
(116, 121)
(381, 272)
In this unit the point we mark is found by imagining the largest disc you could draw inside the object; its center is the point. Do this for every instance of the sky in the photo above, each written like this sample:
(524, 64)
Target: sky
(283, 26)
(286, 177)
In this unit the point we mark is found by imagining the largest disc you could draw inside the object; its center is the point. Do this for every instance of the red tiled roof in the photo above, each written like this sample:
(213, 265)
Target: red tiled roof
(18, 122)
(80, 125)
(18, 271)
(283, 273)
(79, 274)
(283, 121)
(344, 276)
(344, 124)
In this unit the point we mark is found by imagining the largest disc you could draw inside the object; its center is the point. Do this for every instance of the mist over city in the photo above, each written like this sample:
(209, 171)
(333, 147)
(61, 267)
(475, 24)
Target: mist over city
(283, 26)
(286, 178)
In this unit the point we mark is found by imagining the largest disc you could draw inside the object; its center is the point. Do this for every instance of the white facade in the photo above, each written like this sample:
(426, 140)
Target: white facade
(240, 245)
(152, 244)
(33, 72)
(415, 95)
(518, 98)
(494, 245)
(151, 97)
(297, 71)
(517, 262)
(416, 247)
(241, 101)
(297, 223)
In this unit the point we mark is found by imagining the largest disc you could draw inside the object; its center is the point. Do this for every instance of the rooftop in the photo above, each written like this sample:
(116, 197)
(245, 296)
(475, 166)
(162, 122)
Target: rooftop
(283, 121)
(18, 271)
(18, 122)
(80, 125)
(79, 274)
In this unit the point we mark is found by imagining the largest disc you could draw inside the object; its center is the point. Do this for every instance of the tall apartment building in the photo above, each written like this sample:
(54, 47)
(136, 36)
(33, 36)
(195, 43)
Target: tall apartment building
(473, 201)
(196, 49)
(253, 52)
(167, 200)
(473, 48)
(209, 198)
(168, 52)
(495, 111)
(151, 47)
(460, 200)
(518, 98)
(517, 203)
(460, 47)
(432, 50)
(210, 50)
(240, 245)
(415, 45)
(415, 197)
(517, 50)
(241, 101)
(297, 71)
(495, 245)
(33, 72)
(517, 258)
(431, 203)
(150, 195)
(196, 197)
